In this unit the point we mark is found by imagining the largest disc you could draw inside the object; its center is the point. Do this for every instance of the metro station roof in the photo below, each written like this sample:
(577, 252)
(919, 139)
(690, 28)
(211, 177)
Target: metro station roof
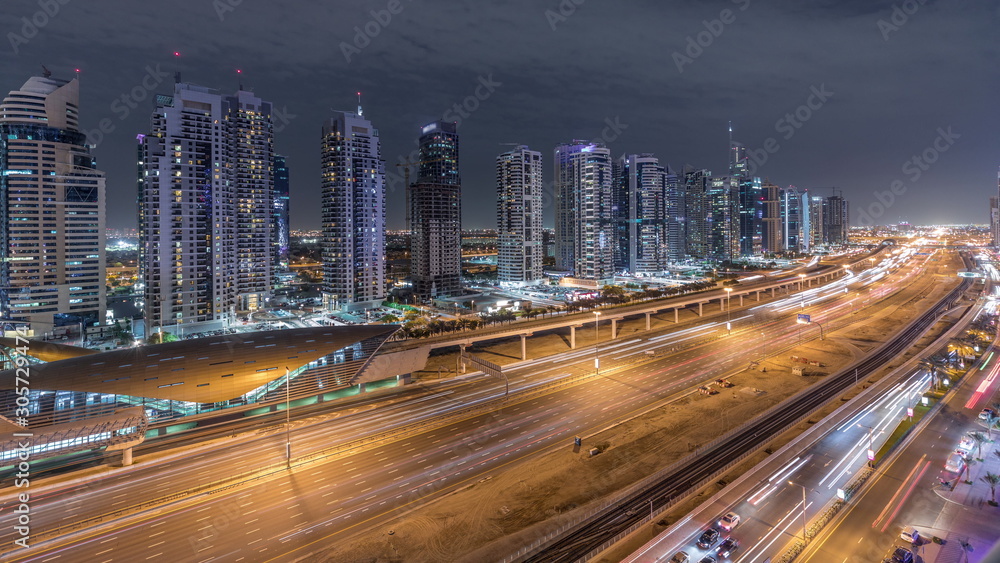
(47, 351)
(202, 370)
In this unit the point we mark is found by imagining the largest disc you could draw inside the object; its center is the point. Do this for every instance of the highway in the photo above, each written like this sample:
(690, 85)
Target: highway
(324, 502)
(707, 462)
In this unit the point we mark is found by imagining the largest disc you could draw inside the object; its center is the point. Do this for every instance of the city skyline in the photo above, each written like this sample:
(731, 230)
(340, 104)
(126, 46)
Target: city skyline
(859, 135)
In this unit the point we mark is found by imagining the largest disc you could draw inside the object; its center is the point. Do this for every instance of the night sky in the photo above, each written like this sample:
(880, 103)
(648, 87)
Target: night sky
(887, 81)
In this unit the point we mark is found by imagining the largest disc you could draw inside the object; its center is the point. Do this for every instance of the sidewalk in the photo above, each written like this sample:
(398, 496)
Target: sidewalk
(967, 516)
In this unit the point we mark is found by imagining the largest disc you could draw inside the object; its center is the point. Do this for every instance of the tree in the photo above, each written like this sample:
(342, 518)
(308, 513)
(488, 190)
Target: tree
(992, 479)
(161, 337)
(968, 468)
(979, 439)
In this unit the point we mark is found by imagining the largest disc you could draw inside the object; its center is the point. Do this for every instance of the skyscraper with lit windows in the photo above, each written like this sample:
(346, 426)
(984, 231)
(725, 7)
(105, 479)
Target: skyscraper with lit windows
(519, 217)
(436, 214)
(52, 199)
(353, 207)
(584, 218)
(205, 204)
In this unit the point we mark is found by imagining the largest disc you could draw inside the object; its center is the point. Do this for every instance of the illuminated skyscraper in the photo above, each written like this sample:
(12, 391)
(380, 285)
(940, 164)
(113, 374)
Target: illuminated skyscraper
(52, 269)
(353, 200)
(519, 217)
(280, 213)
(640, 214)
(772, 236)
(436, 215)
(206, 208)
(584, 220)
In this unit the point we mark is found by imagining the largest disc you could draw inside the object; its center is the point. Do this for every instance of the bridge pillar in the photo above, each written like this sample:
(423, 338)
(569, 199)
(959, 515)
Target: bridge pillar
(461, 358)
(614, 328)
(524, 347)
(757, 293)
(741, 300)
(699, 308)
(572, 337)
(772, 291)
(126, 457)
(676, 313)
(647, 320)
(722, 303)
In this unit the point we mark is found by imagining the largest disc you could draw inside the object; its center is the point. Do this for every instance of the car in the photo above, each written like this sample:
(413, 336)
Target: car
(967, 444)
(708, 559)
(910, 534)
(708, 538)
(987, 414)
(680, 557)
(902, 555)
(727, 546)
(729, 521)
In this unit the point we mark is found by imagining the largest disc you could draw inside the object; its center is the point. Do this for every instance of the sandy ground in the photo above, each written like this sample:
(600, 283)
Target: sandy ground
(518, 505)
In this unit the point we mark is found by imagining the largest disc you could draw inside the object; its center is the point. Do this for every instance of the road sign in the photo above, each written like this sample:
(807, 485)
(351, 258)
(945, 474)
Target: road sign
(803, 318)
(871, 455)
(909, 412)
(841, 494)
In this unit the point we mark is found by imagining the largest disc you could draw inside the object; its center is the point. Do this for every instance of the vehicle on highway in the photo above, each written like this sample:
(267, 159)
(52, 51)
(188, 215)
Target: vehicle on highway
(909, 534)
(708, 538)
(902, 555)
(729, 521)
(727, 546)
(955, 463)
(708, 559)
(680, 557)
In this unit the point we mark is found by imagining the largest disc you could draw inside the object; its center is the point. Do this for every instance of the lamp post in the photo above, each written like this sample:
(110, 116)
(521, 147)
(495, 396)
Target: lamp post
(803, 509)
(597, 342)
(802, 296)
(729, 315)
(763, 349)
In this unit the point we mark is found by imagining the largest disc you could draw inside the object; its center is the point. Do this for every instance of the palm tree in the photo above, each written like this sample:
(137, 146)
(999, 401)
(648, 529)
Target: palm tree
(968, 468)
(992, 479)
(979, 439)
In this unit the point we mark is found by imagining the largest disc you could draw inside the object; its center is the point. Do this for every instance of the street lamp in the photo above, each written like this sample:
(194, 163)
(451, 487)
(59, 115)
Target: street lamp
(288, 421)
(763, 349)
(803, 509)
(729, 304)
(802, 321)
(597, 342)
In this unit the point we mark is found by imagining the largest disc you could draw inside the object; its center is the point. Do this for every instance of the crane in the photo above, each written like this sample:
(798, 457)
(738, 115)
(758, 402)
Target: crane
(405, 165)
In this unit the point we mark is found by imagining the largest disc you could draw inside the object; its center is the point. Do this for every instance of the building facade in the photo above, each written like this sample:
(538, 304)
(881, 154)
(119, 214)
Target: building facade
(205, 208)
(640, 215)
(436, 215)
(52, 210)
(772, 239)
(280, 224)
(519, 217)
(794, 219)
(584, 220)
(723, 218)
(353, 207)
(696, 212)
(836, 220)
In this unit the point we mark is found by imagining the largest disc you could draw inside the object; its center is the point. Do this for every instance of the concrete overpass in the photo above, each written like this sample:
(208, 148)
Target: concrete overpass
(614, 315)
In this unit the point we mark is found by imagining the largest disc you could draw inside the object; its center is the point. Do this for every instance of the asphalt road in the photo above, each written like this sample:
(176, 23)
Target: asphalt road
(318, 504)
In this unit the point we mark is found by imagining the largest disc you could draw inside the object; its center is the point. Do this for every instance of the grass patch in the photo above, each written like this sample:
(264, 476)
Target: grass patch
(902, 430)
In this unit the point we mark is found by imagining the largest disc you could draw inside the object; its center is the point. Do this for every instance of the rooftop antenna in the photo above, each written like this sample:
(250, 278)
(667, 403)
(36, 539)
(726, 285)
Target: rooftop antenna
(77, 74)
(177, 73)
(239, 74)
(361, 112)
(731, 151)
(46, 72)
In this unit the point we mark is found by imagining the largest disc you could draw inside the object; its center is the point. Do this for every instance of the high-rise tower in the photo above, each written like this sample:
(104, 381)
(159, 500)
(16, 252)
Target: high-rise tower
(51, 209)
(205, 205)
(281, 227)
(640, 214)
(584, 220)
(353, 202)
(519, 217)
(436, 215)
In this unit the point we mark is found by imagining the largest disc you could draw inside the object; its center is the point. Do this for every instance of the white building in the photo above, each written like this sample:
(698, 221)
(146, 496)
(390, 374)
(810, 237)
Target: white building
(353, 202)
(205, 185)
(584, 221)
(519, 217)
(52, 207)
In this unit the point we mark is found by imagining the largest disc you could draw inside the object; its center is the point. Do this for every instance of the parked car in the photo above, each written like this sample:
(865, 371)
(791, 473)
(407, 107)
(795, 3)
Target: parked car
(708, 538)
(708, 559)
(909, 534)
(680, 557)
(987, 414)
(902, 555)
(727, 546)
(729, 521)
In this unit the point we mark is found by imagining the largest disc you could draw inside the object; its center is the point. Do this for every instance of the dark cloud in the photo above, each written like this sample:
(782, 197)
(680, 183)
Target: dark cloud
(894, 83)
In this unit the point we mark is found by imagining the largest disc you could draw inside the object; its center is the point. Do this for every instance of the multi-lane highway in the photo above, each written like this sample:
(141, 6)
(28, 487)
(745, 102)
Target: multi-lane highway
(294, 512)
